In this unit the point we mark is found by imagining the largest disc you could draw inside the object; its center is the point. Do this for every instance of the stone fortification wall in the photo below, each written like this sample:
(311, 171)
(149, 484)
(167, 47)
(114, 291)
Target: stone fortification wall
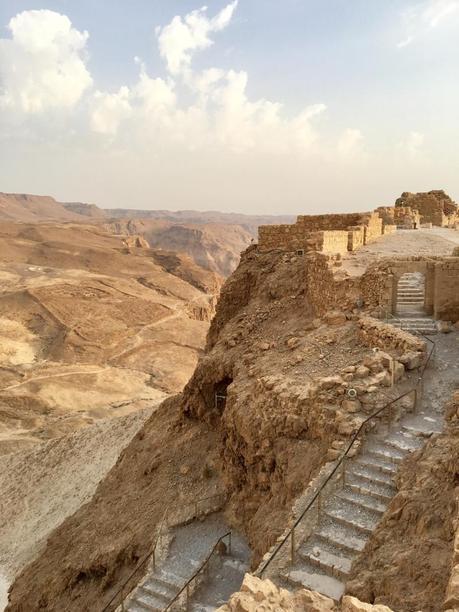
(446, 289)
(356, 237)
(314, 223)
(389, 229)
(435, 206)
(322, 233)
(373, 227)
(385, 336)
(284, 237)
(400, 216)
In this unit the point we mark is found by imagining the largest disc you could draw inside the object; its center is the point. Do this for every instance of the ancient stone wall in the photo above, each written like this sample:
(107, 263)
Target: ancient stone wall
(446, 289)
(389, 229)
(435, 206)
(322, 233)
(356, 237)
(284, 237)
(401, 216)
(373, 227)
(386, 336)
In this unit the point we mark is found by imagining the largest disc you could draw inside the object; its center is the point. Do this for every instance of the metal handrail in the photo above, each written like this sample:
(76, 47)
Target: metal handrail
(186, 586)
(338, 463)
(152, 552)
(148, 556)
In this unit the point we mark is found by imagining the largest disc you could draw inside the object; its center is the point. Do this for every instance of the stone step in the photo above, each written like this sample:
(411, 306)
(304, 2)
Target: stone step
(385, 452)
(370, 473)
(138, 603)
(377, 463)
(356, 518)
(332, 561)
(310, 577)
(158, 590)
(363, 500)
(361, 485)
(344, 537)
(403, 441)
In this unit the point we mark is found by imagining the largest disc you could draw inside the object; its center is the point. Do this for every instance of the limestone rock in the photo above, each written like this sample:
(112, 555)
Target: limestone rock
(293, 342)
(411, 360)
(362, 372)
(444, 327)
(351, 405)
(352, 604)
(335, 317)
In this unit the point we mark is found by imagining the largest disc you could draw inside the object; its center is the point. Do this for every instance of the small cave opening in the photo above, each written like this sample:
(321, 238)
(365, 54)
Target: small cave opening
(220, 393)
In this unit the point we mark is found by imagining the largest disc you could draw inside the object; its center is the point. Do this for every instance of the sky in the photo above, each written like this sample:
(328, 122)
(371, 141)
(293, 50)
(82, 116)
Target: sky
(256, 106)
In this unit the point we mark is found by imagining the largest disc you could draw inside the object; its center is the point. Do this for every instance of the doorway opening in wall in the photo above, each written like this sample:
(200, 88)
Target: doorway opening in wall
(411, 294)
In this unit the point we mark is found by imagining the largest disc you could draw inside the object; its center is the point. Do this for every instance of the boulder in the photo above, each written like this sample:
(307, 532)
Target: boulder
(411, 360)
(352, 604)
(330, 381)
(444, 327)
(362, 372)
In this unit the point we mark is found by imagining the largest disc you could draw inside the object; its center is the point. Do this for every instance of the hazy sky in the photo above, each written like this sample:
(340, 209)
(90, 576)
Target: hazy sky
(253, 106)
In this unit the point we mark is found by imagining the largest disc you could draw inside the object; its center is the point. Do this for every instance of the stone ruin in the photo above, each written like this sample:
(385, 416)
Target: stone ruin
(339, 233)
(435, 207)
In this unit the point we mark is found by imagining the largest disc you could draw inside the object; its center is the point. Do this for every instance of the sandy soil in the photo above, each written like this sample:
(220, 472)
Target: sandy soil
(90, 329)
(435, 241)
(41, 487)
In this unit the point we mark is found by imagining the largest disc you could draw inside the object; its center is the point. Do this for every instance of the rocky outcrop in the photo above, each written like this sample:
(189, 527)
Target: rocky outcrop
(264, 596)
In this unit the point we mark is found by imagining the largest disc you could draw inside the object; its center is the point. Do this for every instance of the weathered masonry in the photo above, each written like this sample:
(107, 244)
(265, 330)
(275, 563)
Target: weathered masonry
(338, 233)
(324, 233)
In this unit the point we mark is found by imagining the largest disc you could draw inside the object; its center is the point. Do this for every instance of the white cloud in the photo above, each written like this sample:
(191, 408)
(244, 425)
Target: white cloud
(43, 64)
(350, 145)
(109, 110)
(182, 37)
(411, 147)
(421, 18)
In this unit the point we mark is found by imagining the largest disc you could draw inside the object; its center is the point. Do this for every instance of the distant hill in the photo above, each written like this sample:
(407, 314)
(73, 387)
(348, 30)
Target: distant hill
(32, 208)
(214, 240)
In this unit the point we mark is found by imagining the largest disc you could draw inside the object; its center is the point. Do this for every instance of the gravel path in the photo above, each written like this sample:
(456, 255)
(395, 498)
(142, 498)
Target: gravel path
(435, 241)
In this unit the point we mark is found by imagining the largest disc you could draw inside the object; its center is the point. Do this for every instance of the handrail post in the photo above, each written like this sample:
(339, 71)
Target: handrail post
(229, 543)
(292, 545)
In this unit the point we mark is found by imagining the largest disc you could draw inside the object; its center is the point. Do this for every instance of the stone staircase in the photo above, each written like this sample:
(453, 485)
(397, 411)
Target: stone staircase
(411, 313)
(156, 592)
(323, 562)
(424, 325)
(410, 294)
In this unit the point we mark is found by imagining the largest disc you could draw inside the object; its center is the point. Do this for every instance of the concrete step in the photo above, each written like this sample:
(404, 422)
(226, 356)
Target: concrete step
(362, 485)
(364, 500)
(349, 515)
(344, 537)
(310, 577)
(370, 473)
(331, 560)
(377, 463)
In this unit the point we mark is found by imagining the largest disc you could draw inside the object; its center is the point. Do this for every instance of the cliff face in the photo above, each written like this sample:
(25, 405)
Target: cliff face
(272, 383)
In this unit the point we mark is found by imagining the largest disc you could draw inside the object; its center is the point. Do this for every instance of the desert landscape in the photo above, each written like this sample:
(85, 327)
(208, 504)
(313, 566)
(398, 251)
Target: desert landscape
(229, 306)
